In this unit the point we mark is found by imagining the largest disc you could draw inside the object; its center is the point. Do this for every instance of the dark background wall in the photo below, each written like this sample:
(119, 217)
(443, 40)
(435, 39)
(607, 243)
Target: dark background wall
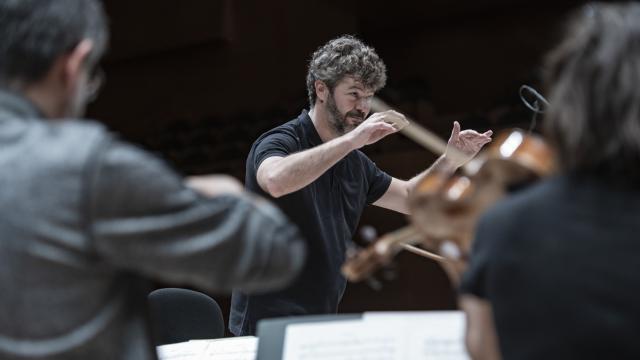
(198, 81)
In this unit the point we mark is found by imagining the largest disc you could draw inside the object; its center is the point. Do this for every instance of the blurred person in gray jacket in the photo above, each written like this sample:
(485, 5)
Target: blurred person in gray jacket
(87, 220)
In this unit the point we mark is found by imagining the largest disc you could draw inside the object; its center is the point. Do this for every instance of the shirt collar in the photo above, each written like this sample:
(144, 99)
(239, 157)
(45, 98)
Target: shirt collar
(310, 130)
(15, 105)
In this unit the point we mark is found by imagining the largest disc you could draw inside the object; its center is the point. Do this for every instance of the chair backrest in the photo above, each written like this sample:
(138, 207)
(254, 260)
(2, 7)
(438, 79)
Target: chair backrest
(179, 315)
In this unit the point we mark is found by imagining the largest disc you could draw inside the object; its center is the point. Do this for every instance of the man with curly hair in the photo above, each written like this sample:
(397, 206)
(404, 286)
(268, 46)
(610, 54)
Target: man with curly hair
(313, 169)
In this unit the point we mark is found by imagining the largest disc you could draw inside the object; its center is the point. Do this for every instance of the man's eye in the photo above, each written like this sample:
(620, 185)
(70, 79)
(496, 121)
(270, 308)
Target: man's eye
(354, 94)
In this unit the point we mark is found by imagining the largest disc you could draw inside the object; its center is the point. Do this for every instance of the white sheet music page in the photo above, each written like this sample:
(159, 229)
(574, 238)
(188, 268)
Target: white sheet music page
(342, 340)
(235, 348)
(431, 334)
(180, 351)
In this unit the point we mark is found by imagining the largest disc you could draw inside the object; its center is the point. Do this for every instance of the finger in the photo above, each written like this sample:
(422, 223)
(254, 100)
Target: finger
(376, 117)
(391, 127)
(481, 141)
(395, 125)
(395, 113)
(381, 133)
(472, 136)
(388, 127)
(382, 129)
(470, 133)
(475, 133)
(455, 133)
(386, 118)
(395, 116)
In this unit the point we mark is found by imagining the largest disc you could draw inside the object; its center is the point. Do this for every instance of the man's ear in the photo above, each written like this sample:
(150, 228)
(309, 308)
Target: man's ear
(322, 90)
(74, 61)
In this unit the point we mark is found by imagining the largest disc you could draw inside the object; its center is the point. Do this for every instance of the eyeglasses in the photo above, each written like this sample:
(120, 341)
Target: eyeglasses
(95, 83)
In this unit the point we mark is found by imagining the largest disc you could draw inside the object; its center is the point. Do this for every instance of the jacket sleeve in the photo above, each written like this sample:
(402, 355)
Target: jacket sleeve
(143, 219)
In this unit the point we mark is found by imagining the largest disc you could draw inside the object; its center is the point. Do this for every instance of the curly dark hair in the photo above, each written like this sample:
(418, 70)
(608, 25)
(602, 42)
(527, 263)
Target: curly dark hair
(345, 56)
(592, 78)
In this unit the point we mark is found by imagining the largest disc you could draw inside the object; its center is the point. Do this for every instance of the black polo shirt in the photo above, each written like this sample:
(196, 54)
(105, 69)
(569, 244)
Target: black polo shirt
(327, 212)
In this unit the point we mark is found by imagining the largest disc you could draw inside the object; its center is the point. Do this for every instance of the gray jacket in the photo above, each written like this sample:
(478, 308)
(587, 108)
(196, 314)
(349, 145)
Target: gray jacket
(85, 219)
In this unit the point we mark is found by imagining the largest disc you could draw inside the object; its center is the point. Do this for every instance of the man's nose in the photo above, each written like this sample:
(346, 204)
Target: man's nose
(364, 105)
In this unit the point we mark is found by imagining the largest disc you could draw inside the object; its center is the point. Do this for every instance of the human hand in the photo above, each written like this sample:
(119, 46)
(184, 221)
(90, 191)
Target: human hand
(214, 185)
(465, 144)
(376, 127)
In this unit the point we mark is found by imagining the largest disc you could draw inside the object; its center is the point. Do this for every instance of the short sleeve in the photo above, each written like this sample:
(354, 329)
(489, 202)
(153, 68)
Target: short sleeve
(378, 180)
(281, 143)
(144, 219)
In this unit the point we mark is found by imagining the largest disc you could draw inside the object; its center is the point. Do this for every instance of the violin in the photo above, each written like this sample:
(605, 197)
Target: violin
(445, 208)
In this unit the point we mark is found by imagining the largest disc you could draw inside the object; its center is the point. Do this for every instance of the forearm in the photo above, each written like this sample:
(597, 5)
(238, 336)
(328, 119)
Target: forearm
(481, 337)
(441, 165)
(396, 197)
(291, 173)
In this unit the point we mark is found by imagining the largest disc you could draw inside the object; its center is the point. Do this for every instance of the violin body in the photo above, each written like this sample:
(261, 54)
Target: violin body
(445, 208)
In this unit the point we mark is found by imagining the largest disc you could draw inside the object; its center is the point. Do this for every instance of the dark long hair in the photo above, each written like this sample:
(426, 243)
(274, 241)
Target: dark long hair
(593, 81)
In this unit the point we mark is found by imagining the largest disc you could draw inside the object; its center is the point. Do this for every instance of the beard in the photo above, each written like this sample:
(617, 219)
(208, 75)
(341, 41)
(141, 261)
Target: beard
(339, 122)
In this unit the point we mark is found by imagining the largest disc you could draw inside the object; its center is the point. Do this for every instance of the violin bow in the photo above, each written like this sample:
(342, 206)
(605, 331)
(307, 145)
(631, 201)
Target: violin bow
(425, 137)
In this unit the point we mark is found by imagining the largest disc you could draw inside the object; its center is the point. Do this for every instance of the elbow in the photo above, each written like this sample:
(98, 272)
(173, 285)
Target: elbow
(272, 186)
(275, 191)
(409, 188)
(407, 194)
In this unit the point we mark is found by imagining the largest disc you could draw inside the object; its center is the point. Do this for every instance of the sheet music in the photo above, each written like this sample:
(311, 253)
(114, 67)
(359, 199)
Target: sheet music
(341, 340)
(180, 351)
(431, 334)
(235, 348)
(437, 335)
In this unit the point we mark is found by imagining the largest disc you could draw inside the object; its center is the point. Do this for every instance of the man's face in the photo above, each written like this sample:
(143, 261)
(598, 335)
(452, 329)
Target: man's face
(348, 105)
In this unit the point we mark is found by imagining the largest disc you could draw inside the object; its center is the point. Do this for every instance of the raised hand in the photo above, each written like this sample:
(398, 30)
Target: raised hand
(214, 185)
(376, 127)
(467, 143)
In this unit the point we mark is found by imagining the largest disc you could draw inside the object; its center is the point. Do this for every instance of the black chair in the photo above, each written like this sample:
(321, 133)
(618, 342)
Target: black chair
(179, 315)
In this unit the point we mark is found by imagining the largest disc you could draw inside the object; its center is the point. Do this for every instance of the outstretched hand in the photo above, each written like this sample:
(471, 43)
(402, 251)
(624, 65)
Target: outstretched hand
(376, 127)
(467, 143)
(214, 185)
